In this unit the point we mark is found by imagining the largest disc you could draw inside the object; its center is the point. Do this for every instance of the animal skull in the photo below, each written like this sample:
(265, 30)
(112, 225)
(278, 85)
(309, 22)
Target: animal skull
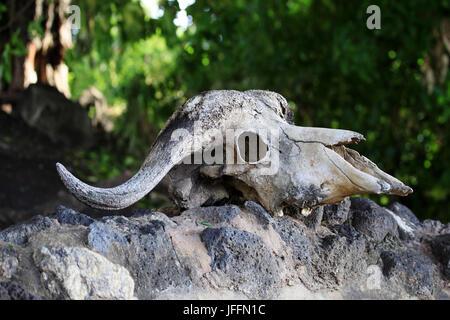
(291, 166)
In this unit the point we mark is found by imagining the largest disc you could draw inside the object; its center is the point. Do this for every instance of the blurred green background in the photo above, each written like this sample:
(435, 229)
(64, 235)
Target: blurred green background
(391, 84)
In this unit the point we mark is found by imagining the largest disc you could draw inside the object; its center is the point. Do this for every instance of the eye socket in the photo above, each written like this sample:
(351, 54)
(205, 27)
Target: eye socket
(251, 147)
(283, 110)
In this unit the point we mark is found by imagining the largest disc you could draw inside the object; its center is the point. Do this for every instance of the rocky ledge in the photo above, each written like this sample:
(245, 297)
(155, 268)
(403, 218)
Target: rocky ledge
(352, 250)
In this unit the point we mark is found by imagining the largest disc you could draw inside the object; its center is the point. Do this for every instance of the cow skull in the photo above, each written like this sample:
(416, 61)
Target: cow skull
(287, 166)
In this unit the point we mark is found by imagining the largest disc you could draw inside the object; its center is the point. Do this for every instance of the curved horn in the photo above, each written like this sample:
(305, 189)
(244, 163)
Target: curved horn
(164, 154)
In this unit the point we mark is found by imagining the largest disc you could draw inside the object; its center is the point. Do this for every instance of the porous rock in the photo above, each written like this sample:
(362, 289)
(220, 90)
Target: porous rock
(145, 246)
(339, 259)
(226, 252)
(9, 290)
(412, 270)
(69, 216)
(337, 213)
(215, 215)
(441, 249)
(78, 273)
(19, 234)
(244, 258)
(404, 213)
(294, 235)
(264, 217)
(371, 220)
(8, 261)
(101, 236)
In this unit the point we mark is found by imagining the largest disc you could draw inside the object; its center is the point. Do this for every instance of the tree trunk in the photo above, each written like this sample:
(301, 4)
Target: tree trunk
(44, 59)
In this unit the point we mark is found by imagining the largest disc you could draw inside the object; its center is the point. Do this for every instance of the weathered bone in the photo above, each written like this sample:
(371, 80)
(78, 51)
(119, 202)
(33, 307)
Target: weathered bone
(314, 165)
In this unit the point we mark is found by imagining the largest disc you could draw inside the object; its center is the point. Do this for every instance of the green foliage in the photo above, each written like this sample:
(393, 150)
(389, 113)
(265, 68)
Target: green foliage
(15, 47)
(35, 29)
(132, 66)
(318, 54)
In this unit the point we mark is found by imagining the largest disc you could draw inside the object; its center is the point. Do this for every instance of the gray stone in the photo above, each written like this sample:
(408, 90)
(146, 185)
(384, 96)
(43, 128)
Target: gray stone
(295, 237)
(371, 220)
(264, 217)
(9, 290)
(45, 108)
(412, 270)
(234, 254)
(69, 216)
(441, 249)
(81, 274)
(101, 236)
(148, 251)
(215, 215)
(404, 213)
(337, 259)
(433, 227)
(335, 214)
(8, 261)
(314, 219)
(140, 212)
(19, 234)
(345, 230)
(244, 258)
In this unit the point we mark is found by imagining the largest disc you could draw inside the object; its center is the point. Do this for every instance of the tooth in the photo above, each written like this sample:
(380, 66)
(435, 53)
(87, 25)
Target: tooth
(306, 211)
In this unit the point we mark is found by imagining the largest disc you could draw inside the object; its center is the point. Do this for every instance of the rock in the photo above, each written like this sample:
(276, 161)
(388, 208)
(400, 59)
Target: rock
(43, 107)
(101, 236)
(314, 219)
(10, 290)
(8, 261)
(140, 212)
(244, 258)
(78, 273)
(294, 235)
(370, 219)
(336, 214)
(69, 216)
(145, 246)
(404, 213)
(155, 264)
(226, 252)
(339, 259)
(19, 234)
(345, 230)
(406, 230)
(441, 249)
(434, 227)
(264, 217)
(214, 215)
(412, 270)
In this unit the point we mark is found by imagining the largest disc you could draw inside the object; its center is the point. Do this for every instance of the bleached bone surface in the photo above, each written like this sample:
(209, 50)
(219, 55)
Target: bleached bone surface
(302, 167)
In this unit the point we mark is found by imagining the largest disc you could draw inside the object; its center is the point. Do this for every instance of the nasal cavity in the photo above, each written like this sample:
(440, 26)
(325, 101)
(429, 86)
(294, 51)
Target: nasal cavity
(251, 147)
